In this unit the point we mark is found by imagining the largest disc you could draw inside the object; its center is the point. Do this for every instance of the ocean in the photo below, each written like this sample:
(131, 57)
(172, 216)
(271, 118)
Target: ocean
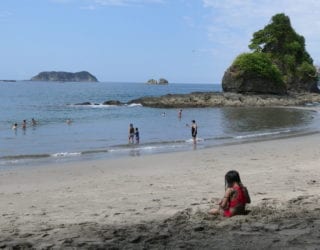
(101, 131)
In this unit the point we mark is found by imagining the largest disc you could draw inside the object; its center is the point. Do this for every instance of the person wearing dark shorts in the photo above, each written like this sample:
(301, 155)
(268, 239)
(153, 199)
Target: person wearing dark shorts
(131, 133)
(194, 131)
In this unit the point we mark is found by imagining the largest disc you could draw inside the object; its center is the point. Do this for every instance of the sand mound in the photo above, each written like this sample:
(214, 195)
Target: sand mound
(270, 225)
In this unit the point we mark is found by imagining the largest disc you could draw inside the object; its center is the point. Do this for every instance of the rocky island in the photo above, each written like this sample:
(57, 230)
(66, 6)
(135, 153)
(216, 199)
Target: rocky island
(61, 76)
(278, 63)
(161, 81)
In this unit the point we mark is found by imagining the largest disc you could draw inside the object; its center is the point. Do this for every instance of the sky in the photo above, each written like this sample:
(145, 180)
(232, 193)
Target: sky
(184, 41)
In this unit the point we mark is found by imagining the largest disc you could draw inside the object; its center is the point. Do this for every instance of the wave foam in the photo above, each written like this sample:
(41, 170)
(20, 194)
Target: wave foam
(261, 134)
(65, 154)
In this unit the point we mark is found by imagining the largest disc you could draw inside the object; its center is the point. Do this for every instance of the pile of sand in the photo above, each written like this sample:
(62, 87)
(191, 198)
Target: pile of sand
(295, 225)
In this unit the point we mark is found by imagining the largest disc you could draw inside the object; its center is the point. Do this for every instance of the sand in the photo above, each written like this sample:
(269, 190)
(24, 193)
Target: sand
(161, 201)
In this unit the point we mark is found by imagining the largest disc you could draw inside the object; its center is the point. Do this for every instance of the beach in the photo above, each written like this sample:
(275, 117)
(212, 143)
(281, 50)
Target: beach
(161, 201)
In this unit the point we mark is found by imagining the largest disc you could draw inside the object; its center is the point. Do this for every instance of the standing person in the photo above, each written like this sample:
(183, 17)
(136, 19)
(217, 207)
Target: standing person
(194, 131)
(24, 124)
(235, 198)
(137, 135)
(180, 114)
(131, 133)
(15, 126)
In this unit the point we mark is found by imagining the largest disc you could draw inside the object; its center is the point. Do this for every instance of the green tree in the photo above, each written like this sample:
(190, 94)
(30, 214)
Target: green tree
(287, 50)
(258, 65)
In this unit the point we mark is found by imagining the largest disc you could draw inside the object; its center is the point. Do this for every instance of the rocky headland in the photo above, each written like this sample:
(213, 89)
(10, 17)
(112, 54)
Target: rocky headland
(61, 76)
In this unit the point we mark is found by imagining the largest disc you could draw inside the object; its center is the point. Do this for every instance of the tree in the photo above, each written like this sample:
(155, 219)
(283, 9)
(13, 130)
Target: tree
(287, 50)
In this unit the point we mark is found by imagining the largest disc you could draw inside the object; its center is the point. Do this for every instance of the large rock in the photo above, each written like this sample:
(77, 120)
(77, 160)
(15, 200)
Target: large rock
(161, 81)
(249, 83)
(62, 76)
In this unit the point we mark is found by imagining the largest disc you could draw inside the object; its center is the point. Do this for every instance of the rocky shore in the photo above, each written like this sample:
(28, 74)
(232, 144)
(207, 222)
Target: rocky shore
(217, 99)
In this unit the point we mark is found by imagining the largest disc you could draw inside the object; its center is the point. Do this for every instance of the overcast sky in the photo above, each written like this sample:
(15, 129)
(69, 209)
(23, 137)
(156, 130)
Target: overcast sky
(184, 41)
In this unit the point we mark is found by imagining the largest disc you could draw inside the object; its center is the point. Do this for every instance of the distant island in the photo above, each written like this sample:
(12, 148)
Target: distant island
(161, 81)
(61, 76)
(8, 80)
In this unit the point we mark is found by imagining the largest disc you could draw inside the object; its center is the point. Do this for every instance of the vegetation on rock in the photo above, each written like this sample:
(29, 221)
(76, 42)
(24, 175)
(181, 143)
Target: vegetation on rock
(278, 55)
(258, 65)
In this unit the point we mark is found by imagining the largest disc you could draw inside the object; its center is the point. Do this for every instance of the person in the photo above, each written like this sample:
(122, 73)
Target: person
(137, 135)
(24, 124)
(194, 131)
(15, 126)
(33, 122)
(68, 121)
(180, 114)
(131, 133)
(235, 198)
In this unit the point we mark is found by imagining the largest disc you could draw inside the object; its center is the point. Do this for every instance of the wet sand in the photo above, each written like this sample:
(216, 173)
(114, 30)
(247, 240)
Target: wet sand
(161, 201)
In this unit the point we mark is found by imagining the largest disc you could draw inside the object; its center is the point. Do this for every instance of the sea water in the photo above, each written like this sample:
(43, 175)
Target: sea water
(101, 131)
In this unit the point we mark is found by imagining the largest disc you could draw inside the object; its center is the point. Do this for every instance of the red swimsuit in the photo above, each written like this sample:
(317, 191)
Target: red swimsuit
(240, 199)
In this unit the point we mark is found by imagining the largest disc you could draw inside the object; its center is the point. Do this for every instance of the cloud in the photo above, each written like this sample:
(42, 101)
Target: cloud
(232, 22)
(4, 14)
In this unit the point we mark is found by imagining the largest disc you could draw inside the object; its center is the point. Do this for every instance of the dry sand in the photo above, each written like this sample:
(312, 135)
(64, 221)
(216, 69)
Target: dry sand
(161, 201)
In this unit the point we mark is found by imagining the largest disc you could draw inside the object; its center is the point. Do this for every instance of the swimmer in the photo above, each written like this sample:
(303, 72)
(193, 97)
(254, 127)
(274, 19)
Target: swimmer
(24, 124)
(33, 122)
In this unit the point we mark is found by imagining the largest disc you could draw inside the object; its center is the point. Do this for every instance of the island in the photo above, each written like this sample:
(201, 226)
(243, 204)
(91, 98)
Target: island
(61, 76)
(161, 81)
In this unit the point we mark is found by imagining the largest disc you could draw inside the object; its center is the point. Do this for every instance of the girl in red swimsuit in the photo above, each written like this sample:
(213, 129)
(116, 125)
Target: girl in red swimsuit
(235, 198)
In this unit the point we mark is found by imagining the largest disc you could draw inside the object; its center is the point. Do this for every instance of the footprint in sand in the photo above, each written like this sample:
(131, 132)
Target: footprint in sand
(311, 182)
(117, 213)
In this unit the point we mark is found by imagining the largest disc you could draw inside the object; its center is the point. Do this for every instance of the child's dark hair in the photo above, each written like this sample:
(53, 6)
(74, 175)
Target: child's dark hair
(231, 177)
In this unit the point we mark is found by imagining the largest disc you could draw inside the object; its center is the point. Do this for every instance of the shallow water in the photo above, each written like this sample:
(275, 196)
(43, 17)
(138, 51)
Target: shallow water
(102, 130)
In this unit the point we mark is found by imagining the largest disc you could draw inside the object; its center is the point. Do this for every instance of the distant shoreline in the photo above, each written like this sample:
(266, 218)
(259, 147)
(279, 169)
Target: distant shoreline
(8, 80)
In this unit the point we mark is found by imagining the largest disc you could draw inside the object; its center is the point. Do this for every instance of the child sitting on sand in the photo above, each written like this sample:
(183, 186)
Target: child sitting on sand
(235, 197)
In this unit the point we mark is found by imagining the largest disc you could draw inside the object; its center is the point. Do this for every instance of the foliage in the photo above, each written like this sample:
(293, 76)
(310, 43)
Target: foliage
(258, 65)
(286, 49)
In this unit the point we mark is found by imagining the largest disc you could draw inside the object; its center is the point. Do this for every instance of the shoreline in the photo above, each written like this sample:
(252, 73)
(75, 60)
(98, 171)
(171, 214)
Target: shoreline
(56, 204)
(154, 148)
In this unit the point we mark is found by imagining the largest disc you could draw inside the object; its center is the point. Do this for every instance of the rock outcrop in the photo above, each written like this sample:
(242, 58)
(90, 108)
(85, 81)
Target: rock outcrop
(62, 76)
(278, 62)
(250, 83)
(161, 81)
(217, 99)
(112, 102)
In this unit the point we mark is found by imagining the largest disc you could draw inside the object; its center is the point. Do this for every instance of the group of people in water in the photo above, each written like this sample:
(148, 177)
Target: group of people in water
(134, 135)
(33, 123)
(24, 124)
